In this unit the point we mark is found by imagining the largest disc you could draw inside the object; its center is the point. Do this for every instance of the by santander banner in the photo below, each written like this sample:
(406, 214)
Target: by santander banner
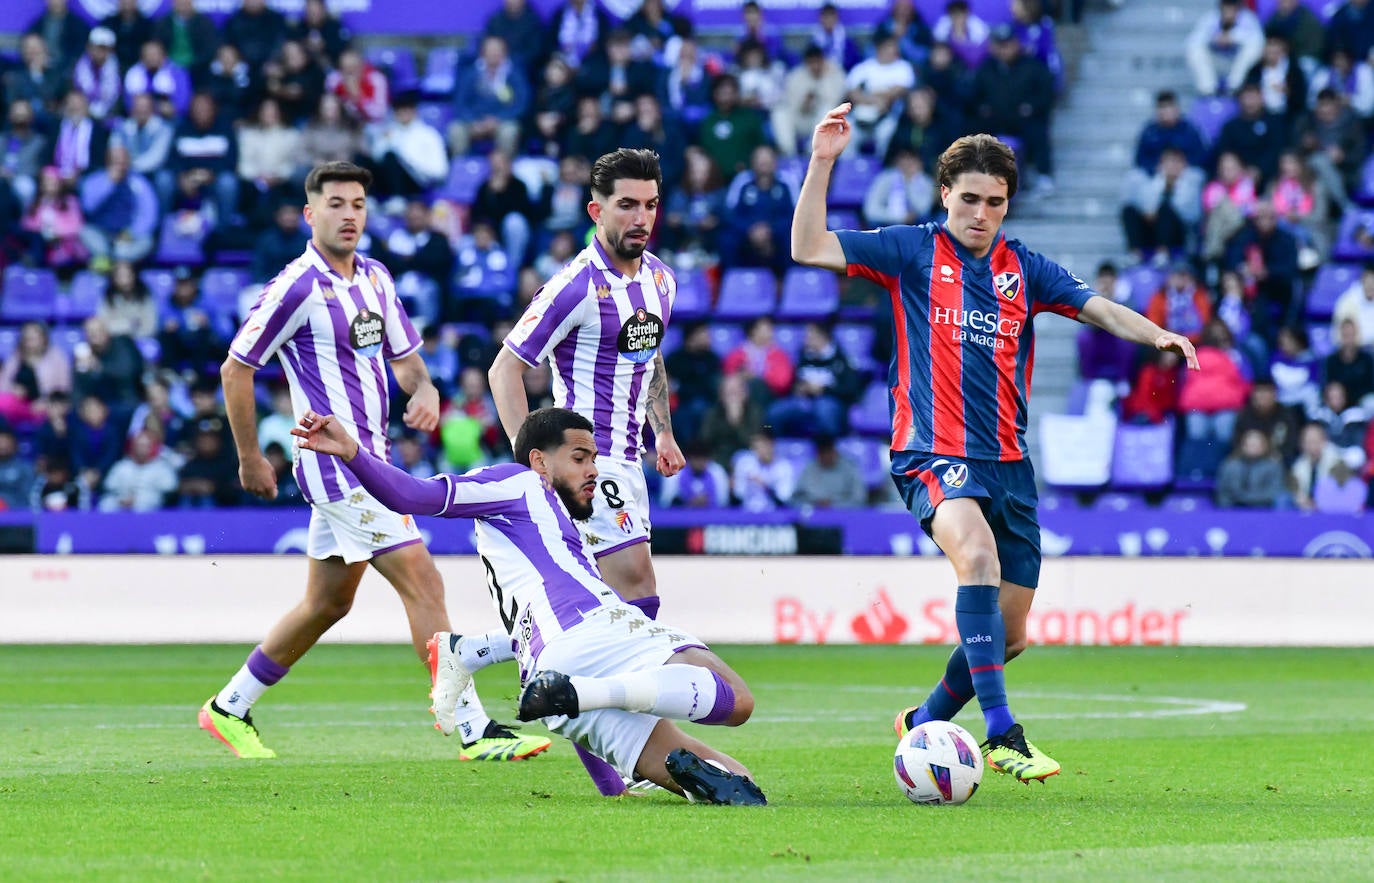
(759, 600)
(379, 17)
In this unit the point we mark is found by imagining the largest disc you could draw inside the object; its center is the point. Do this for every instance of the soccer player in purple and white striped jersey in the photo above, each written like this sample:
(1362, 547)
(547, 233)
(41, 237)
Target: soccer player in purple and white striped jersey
(333, 319)
(600, 322)
(592, 667)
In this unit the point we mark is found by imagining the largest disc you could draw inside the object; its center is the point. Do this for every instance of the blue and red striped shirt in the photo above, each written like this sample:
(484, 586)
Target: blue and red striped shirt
(964, 343)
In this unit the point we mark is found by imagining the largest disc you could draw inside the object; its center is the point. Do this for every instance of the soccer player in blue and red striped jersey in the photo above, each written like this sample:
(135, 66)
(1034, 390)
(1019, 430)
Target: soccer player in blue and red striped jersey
(963, 297)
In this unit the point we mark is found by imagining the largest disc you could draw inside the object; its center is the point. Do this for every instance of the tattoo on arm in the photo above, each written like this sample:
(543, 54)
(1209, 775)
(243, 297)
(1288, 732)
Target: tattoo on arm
(657, 405)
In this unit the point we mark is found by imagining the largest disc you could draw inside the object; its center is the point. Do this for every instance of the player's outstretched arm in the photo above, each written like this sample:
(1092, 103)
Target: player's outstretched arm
(394, 488)
(812, 243)
(1127, 324)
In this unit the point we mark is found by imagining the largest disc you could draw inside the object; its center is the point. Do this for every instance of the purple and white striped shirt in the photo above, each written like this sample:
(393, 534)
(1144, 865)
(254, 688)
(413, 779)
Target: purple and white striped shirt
(600, 332)
(332, 336)
(542, 581)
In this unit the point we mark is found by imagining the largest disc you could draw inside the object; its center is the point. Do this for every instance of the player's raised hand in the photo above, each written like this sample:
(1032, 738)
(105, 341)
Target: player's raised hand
(322, 434)
(258, 477)
(1179, 344)
(422, 411)
(832, 133)
(670, 459)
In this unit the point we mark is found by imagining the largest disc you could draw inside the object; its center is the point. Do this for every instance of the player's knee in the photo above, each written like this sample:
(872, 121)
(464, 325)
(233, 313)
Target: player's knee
(331, 610)
(744, 706)
(1015, 646)
(980, 565)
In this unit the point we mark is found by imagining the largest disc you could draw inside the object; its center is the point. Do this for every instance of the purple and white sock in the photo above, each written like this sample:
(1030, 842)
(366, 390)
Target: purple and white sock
(251, 681)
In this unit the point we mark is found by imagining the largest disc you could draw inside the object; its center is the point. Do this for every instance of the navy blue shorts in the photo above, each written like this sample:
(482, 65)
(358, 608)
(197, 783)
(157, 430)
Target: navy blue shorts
(1005, 490)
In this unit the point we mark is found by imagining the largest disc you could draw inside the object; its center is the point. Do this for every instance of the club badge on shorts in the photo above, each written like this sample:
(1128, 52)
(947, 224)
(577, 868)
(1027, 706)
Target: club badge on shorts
(955, 475)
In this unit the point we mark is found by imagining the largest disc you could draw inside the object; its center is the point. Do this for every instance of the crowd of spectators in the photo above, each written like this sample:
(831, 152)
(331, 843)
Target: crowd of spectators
(1233, 216)
(158, 160)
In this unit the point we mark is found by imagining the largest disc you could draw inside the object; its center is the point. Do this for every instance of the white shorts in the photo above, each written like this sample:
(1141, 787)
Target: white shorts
(620, 508)
(614, 639)
(357, 528)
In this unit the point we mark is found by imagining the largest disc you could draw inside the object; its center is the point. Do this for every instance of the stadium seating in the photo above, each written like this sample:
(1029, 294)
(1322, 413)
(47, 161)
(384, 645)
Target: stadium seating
(1076, 451)
(693, 300)
(437, 113)
(441, 69)
(843, 219)
(1144, 280)
(83, 297)
(1330, 283)
(1143, 456)
(746, 292)
(220, 288)
(175, 246)
(28, 294)
(1209, 114)
(1355, 225)
(465, 177)
(789, 339)
(851, 178)
(397, 62)
(869, 416)
(856, 342)
(808, 293)
(160, 282)
(870, 455)
(9, 340)
(725, 338)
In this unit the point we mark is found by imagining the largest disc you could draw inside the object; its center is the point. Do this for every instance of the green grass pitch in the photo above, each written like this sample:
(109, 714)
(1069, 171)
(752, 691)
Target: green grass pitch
(1179, 764)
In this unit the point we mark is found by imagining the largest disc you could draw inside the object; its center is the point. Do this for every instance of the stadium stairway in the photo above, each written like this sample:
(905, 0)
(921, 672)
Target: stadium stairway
(1118, 59)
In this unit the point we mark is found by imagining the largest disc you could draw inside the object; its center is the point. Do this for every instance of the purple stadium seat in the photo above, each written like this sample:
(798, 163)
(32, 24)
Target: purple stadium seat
(160, 283)
(1319, 337)
(792, 169)
(9, 341)
(1364, 190)
(725, 338)
(809, 293)
(465, 176)
(789, 337)
(856, 342)
(175, 247)
(83, 297)
(1330, 283)
(437, 113)
(851, 179)
(220, 287)
(1144, 281)
(1210, 114)
(1323, 8)
(66, 337)
(843, 219)
(870, 455)
(693, 300)
(441, 68)
(672, 340)
(1143, 456)
(397, 62)
(869, 416)
(746, 292)
(797, 451)
(1348, 246)
(28, 294)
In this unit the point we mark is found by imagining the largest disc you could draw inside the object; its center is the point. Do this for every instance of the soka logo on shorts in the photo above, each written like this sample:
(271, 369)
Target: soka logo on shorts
(955, 475)
(1009, 284)
(640, 336)
(365, 333)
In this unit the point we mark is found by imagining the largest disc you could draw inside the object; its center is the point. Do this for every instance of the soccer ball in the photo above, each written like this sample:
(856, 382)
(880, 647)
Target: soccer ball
(938, 763)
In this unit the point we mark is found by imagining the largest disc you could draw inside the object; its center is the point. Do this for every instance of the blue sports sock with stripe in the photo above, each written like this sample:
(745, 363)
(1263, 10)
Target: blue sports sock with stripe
(983, 635)
(950, 695)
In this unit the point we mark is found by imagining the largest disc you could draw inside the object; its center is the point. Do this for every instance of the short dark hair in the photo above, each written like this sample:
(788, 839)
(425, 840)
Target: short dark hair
(631, 163)
(544, 430)
(977, 153)
(324, 173)
(1166, 96)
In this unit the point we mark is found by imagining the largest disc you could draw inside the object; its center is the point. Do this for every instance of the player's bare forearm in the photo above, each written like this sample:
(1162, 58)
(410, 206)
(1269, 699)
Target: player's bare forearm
(507, 381)
(1127, 324)
(240, 405)
(412, 375)
(657, 401)
(812, 243)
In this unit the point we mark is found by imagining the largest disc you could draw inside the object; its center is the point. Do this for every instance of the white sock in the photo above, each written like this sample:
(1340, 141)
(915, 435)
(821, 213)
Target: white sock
(681, 692)
(471, 716)
(479, 651)
(240, 693)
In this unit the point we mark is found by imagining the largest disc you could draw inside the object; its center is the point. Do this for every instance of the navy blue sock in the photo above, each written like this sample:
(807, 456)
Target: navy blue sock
(648, 605)
(950, 695)
(983, 636)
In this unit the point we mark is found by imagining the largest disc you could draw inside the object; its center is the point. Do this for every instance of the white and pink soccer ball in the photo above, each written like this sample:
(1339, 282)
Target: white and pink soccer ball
(938, 763)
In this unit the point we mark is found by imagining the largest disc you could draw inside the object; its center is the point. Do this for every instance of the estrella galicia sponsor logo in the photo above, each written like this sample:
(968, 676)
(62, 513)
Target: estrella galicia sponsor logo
(640, 336)
(365, 333)
(1008, 284)
(955, 475)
